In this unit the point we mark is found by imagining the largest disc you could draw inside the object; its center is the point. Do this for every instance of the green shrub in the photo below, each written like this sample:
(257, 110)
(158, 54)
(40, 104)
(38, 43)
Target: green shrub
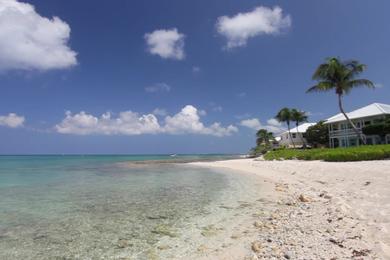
(361, 153)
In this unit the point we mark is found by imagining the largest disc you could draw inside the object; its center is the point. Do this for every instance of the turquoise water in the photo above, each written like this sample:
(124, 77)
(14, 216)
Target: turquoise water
(108, 207)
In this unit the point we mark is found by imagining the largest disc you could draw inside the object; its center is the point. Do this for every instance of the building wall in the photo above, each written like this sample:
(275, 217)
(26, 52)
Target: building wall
(341, 134)
(287, 141)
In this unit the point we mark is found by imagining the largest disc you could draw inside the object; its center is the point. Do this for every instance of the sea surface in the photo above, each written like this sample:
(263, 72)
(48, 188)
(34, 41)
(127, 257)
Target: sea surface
(116, 207)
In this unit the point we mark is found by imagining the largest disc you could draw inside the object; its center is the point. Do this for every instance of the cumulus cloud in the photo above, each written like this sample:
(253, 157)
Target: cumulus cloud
(272, 125)
(158, 87)
(168, 44)
(252, 123)
(12, 120)
(31, 41)
(187, 121)
(262, 20)
(127, 123)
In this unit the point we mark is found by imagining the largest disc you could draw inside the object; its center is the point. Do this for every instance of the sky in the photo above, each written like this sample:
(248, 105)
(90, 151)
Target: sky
(153, 77)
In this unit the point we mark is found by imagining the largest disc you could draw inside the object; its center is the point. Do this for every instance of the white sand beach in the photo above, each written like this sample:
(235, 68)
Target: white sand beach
(321, 210)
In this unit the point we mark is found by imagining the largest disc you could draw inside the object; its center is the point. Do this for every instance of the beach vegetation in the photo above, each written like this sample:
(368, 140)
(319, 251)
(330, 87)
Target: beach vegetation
(318, 135)
(358, 153)
(264, 143)
(380, 128)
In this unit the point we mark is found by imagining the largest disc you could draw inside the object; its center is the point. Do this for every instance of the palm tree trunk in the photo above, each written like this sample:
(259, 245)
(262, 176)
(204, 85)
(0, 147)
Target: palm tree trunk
(303, 140)
(358, 133)
(289, 133)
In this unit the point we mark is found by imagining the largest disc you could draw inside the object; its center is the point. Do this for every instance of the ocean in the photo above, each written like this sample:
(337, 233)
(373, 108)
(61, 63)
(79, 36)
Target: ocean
(117, 207)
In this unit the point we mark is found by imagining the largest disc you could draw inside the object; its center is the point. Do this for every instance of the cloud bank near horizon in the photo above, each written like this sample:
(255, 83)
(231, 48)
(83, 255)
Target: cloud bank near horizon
(187, 121)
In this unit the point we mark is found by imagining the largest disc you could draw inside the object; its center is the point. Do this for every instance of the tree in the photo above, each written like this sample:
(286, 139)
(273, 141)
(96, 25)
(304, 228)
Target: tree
(299, 117)
(263, 142)
(264, 137)
(284, 116)
(318, 134)
(380, 128)
(340, 76)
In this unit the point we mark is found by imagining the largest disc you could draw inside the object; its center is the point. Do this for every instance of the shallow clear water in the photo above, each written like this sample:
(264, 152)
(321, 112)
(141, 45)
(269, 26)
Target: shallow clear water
(99, 207)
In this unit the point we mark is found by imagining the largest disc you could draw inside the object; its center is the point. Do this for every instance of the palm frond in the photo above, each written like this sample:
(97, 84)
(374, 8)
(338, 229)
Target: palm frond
(321, 87)
(283, 115)
(354, 68)
(321, 71)
(361, 83)
(298, 116)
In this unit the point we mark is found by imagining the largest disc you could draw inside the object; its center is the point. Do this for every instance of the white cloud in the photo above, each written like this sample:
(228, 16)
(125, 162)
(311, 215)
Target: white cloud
(127, 123)
(262, 20)
(12, 120)
(272, 125)
(274, 122)
(160, 112)
(30, 41)
(168, 44)
(253, 123)
(195, 69)
(158, 87)
(187, 121)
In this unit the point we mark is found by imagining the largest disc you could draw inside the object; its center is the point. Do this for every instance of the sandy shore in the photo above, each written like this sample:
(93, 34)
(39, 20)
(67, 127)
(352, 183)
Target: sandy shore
(320, 210)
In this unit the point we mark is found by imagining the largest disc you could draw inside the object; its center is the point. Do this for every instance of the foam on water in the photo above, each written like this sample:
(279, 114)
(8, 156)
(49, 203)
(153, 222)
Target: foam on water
(97, 208)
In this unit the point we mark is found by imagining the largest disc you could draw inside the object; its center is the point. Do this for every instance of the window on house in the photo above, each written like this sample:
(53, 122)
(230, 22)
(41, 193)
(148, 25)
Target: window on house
(294, 135)
(304, 135)
(367, 122)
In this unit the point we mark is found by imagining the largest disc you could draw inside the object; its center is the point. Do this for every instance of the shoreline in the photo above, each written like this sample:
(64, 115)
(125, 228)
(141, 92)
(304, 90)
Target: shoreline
(320, 210)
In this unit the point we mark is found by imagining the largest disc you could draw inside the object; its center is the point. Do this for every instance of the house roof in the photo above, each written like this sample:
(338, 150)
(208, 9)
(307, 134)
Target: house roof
(301, 128)
(374, 109)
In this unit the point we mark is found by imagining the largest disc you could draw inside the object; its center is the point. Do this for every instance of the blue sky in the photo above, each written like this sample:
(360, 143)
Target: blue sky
(174, 76)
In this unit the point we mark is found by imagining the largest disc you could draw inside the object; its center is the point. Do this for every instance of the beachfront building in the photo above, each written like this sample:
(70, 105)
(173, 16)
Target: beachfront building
(341, 133)
(298, 137)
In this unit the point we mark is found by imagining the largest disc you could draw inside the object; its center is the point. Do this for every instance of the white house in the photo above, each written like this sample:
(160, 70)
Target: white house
(341, 133)
(297, 136)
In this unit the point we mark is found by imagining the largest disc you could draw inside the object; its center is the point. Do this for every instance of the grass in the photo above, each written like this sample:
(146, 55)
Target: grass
(361, 153)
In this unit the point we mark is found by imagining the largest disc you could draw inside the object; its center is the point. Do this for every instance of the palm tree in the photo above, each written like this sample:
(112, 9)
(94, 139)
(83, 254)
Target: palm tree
(340, 76)
(299, 117)
(264, 137)
(284, 116)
